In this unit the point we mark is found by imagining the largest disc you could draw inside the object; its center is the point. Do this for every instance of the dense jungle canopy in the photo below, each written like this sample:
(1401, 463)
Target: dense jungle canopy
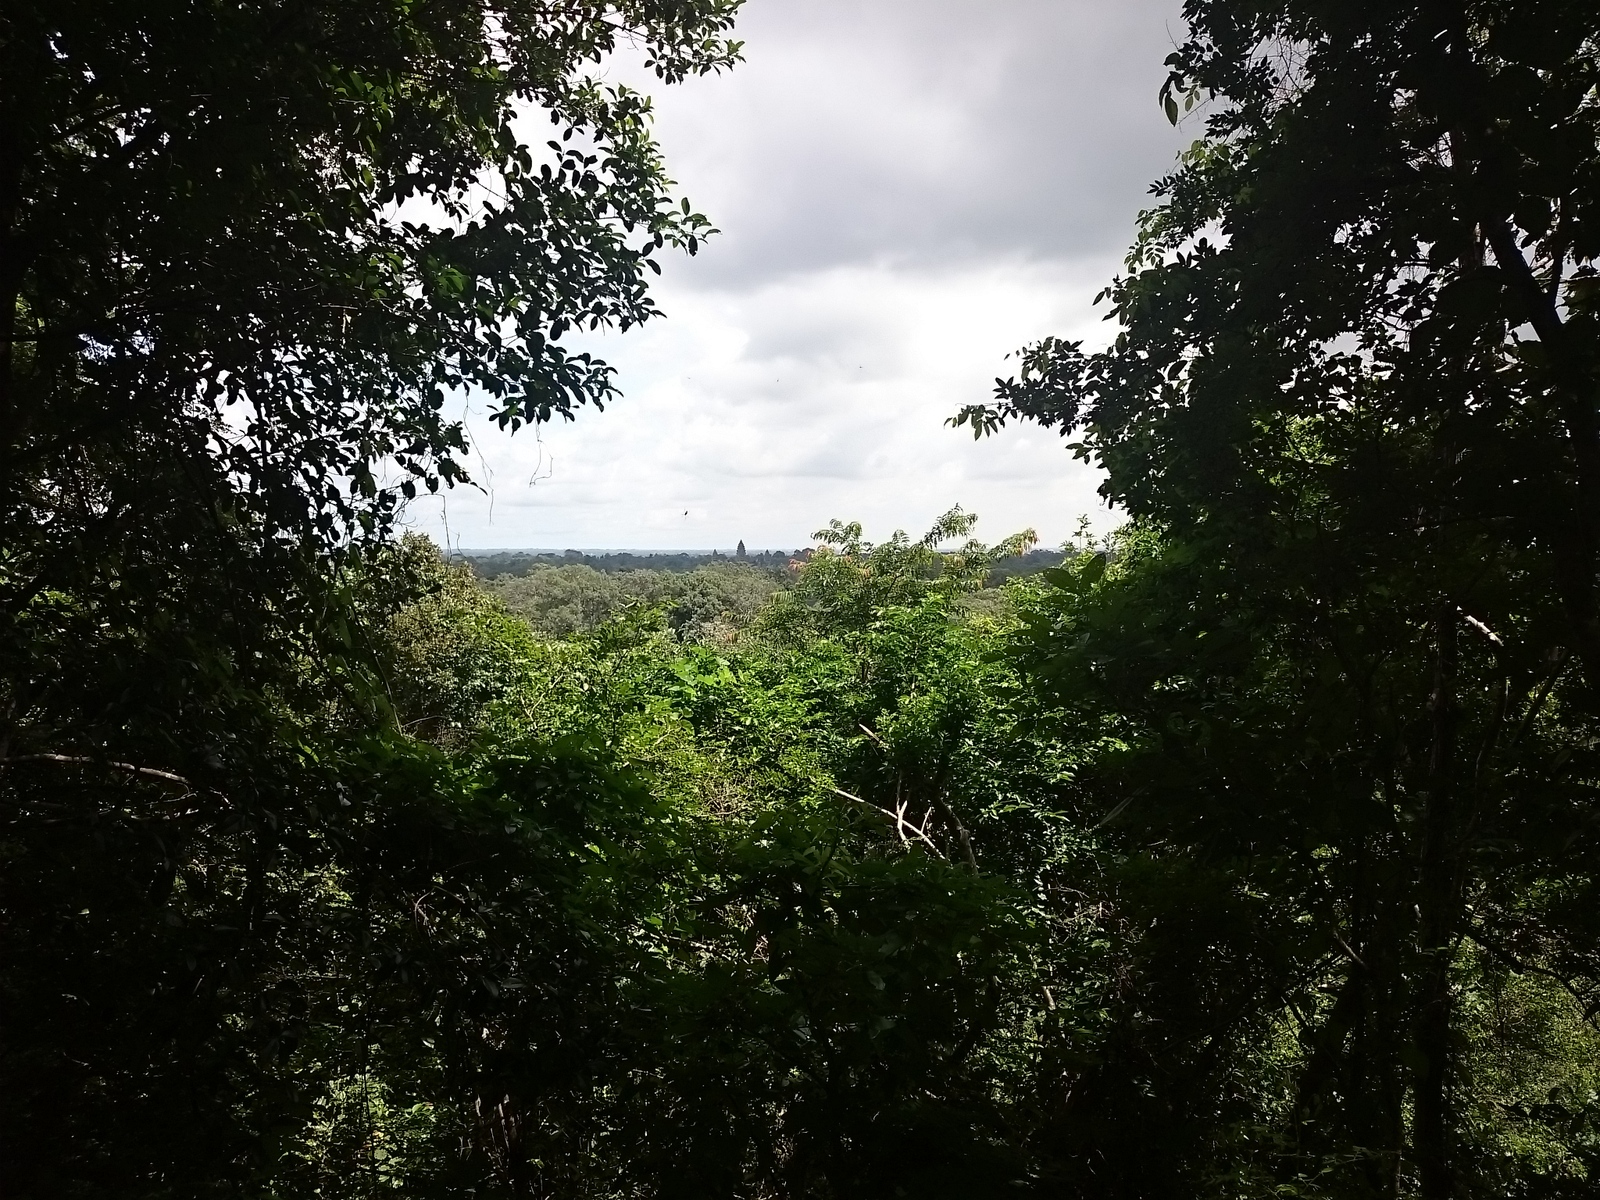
(1251, 851)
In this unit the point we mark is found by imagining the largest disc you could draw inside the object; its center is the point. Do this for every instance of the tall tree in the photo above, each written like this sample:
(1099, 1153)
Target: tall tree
(326, 217)
(246, 251)
(1354, 392)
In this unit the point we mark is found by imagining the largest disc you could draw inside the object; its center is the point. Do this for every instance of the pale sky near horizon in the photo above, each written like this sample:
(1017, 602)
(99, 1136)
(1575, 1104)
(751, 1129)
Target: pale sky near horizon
(908, 191)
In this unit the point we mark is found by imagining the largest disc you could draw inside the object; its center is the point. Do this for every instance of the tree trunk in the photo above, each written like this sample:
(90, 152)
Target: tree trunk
(1574, 537)
(11, 254)
(1577, 546)
(1440, 889)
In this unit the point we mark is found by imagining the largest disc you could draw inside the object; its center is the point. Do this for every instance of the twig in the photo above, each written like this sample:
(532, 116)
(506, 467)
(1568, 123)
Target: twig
(1354, 957)
(1558, 663)
(1588, 1008)
(901, 824)
(79, 760)
(1481, 627)
(1114, 813)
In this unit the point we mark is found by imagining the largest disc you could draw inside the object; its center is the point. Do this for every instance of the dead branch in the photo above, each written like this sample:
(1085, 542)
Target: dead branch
(79, 760)
(900, 822)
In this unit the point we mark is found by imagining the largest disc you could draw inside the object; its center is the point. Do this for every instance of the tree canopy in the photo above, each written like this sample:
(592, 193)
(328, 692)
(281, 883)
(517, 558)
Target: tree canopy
(270, 237)
(1250, 851)
(1352, 404)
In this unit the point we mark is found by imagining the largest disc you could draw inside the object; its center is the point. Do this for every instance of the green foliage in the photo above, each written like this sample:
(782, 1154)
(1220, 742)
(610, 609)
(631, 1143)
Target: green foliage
(489, 564)
(451, 650)
(244, 250)
(823, 992)
(319, 219)
(709, 603)
(609, 915)
(1248, 853)
(848, 579)
(1351, 410)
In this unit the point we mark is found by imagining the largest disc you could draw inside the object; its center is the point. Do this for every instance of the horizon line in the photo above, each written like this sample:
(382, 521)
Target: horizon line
(620, 550)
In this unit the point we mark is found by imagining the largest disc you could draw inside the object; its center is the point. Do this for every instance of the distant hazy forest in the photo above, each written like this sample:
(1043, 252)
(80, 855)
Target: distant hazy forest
(489, 563)
(1249, 852)
(703, 596)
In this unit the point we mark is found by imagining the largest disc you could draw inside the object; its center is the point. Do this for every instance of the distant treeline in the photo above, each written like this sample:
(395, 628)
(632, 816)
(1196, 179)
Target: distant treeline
(489, 564)
(1030, 563)
(497, 563)
(710, 603)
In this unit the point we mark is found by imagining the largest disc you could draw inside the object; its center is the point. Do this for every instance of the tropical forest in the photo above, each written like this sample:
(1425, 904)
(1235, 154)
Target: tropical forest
(1245, 848)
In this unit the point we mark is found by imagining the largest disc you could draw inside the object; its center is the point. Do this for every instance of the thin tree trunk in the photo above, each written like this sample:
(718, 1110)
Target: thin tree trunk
(1578, 546)
(1575, 539)
(11, 253)
(1439, 894)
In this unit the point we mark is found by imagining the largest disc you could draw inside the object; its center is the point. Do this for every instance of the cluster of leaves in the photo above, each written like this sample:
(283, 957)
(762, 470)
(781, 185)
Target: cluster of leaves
(1158, 804)
(865, 908)
(244, 251)
(270, 237)
(847, 578)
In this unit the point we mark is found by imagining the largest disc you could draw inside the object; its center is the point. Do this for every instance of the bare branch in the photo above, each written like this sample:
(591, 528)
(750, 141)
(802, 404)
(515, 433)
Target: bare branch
(1346, 947)
(79, 760)
(1558, 662)
(948, 814)
(1481, 627)
(901, 824)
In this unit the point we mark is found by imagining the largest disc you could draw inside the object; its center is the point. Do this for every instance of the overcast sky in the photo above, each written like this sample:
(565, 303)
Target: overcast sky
(908, 191)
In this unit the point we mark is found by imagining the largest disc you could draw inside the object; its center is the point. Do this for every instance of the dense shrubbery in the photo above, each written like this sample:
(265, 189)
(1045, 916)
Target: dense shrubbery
(861, 905)
(808, 947)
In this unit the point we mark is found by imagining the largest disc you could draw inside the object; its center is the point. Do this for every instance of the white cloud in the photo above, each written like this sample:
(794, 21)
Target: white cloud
(910, 190)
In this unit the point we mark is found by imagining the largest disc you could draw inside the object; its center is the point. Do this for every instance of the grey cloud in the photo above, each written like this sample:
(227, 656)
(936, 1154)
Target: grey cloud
(910, 189)
(918, 132)
(811, 341)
